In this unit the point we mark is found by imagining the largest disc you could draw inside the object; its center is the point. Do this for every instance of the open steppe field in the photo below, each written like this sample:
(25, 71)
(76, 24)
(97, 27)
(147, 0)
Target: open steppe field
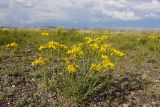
(71, 67)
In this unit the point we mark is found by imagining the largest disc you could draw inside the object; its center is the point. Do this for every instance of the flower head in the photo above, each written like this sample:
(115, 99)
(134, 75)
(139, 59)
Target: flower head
(95, 46)
(52, 45)
(75, 51)
(42, 47)
(105, 57)
(107, 64)
(72, 68)
(39, 61)
(152, 37)
(67, 61)
(12, 45)
(101, 38)
(96, 67)
(88, 40)
(104, 47)
(45, 34)
(117, 52)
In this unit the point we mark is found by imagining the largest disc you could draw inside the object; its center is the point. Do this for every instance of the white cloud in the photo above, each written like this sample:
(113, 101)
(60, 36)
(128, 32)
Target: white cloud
(153, 5)
(32, 11)
(152, 15)
(128, 10)
(2, 17)
(27, 3)
(22, 3)
(124, 15)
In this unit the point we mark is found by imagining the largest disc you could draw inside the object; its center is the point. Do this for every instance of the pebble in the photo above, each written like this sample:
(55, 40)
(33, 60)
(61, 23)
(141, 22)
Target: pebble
(33, 79)
(13, 86)
(146, 105)
(154, 104)
(125, 105)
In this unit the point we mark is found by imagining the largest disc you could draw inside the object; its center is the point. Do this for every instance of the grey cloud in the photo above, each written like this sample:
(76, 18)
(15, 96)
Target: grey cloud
(32, 11)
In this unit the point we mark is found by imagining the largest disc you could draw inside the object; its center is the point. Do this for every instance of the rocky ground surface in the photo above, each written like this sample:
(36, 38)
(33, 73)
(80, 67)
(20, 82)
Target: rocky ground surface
(18, 87)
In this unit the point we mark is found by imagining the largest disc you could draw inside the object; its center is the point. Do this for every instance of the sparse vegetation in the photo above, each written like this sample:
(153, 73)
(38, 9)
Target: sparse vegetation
(74, 68)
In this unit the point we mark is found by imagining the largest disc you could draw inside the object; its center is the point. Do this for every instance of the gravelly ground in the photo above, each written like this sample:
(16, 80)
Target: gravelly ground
(136, 83)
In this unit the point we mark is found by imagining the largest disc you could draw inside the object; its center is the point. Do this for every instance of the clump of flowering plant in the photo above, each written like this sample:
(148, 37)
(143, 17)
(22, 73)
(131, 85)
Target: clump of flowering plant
(82, 66)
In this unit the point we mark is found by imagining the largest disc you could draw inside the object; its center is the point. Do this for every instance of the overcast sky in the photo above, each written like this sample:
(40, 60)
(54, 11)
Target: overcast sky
(81, 13)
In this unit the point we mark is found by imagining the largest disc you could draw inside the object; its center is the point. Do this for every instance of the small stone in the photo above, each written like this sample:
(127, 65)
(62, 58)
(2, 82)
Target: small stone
(114, 104)
(134, 102)
(154, 104)
(125, 105)
(144, 76)
(13, 86)
(50, 95)
(105, 104)
(33, 79)
(146, 105)
(132, 93)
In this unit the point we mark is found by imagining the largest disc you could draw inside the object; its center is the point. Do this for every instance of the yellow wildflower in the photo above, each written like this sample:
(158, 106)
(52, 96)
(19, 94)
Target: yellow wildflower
(96, 67)
(105, 57)
(104, 48)
(152, 37)
(72, 68)
(107, 64)
(12, 45)
(101, 38)
(75, 51)
(66, 60)
(116, 52)
(63, 46)
(45, 34)
(88, 40)
(95, 46)
(53, 45)
(39, 61)
(42, 47)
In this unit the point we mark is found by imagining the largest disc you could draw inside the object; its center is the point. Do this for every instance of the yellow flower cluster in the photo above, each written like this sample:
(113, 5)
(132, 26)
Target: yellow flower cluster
(113, 51)
(39, 61)
(94, 46)
(97, 44)
(117, 52)
(67, 61)
(99, 39)
(79, 53)
(72, 68)
(75, 51)
(105, 57)
(153, 37)
(12, 45)
(106, 64)
(88, 40)
(52, 45)
(104, 47)
(45, 34)
(96, 67)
